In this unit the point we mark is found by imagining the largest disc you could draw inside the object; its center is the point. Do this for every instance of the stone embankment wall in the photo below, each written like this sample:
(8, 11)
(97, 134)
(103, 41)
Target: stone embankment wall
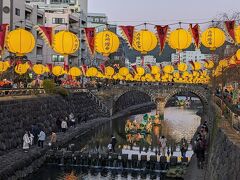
(224, 157)
(19, 115)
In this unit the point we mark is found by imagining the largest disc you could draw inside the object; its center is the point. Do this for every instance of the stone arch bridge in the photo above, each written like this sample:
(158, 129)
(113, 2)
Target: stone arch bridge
(122, 96)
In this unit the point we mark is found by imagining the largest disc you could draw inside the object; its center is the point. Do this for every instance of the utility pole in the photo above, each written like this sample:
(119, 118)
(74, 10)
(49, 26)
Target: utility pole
(1, 11)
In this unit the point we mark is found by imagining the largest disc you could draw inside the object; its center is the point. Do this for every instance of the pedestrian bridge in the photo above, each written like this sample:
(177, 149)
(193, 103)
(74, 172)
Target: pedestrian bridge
(119, 97)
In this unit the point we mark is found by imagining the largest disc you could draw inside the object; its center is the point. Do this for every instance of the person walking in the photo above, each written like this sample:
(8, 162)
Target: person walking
(64, 125)
(72, 119)
(199, 150)
(163, 145)
(58, 123)
(53, 140)
(41, 138)
(113, 142)
(26, 142)
(31, 138)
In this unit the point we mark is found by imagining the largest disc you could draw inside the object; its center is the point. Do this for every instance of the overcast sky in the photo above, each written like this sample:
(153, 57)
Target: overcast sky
(162, 11)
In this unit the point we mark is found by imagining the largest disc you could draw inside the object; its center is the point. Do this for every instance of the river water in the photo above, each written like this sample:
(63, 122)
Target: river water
(179, 122)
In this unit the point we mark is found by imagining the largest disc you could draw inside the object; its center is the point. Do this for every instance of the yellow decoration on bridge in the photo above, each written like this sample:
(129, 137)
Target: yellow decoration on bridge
(209, 64)
(75, 72)
(58, 70)
(179, 39)
(109, 71)
(237, 35)
(39, 69)
(238, 54)
(213, 38)
(106, 42)
(168, 69)
(21, 68)
(144, 41)
(182, 67)
(65, 43)
(4, 66)
(197, 66)
(20, 42)
(92, 72)
(123, 71)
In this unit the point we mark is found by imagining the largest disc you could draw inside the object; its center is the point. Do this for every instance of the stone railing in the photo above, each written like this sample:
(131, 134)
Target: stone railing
(230, 112)
(21, 92)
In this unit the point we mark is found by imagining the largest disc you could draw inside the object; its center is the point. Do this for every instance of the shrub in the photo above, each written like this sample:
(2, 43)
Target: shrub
(62, 91)
(49, 86)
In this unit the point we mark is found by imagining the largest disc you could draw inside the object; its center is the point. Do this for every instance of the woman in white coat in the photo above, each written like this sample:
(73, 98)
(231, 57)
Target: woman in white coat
(26, 141)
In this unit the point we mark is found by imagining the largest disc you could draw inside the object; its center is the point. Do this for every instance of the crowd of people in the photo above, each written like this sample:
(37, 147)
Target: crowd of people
(201, 144)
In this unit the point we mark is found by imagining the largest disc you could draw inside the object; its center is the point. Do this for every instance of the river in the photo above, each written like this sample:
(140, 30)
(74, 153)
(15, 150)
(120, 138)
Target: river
(179, 122)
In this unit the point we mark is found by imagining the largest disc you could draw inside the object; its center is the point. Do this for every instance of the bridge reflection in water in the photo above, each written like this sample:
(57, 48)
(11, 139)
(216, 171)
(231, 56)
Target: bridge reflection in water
(178, 123)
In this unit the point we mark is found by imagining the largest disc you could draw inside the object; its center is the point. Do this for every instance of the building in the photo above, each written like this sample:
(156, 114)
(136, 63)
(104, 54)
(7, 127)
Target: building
(65, 15)
(18, 14)
(187, 56)
(145, 60)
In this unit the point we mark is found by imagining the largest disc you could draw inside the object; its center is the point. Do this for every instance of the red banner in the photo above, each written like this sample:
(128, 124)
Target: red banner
(50, 66)
(90, 37)
(127, 32)
(102, 68)
(230, 25)
(134, 67)
(195, 31)
(3, 35)
(162, 32)
(46, 33)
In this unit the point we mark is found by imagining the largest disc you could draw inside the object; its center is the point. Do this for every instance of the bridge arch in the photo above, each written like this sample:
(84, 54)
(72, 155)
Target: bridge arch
(130, 98)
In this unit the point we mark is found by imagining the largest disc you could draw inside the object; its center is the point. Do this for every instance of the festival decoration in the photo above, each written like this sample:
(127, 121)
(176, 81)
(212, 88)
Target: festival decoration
(213, 38)
(209, 64)
(238, 54)
(58, 70)
(21, 68)
(162, 32)
(106, 42)
(123, 71)
(196, 66)
(39, 69)
(65, 43)
(75, 72)
(179, 39)
(47, 34)
(237, 35)
(155, 70)
(127, 33)
(182, 67)
(195, 31)
(144, 41)
(4, 66)
(109, 71)
(90, 37)
(91, 72)
(3, 35)
(168, 69)
(20, 42)
(140, 71)
(230, 27)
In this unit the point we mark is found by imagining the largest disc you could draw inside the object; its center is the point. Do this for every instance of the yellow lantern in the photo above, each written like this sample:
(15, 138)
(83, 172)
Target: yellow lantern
(129, 77)
(20, 42)
(196, 66)
(65, 43)
(144, 41)
(75, 72)
(123, 71)
(238, 54)
(155, 70)
(209, 64)
(179, 39)
(213, 38)
(21, 68)
(223, 63)
(58, 70)
(176, 75)
(39, 69)
(106, 42)
(109, 71)
(4, 66)
(91, 72)
(168, 69)
(140, 71)
(182, 67)
(237, 34)
(232, 61)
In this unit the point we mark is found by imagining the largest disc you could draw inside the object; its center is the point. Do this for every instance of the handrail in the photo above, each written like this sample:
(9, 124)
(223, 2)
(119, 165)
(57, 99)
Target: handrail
(21, 91)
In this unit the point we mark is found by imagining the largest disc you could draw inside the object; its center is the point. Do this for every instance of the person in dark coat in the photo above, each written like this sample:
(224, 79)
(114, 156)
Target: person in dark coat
(200, 152)
(58, 123)
(113, 142)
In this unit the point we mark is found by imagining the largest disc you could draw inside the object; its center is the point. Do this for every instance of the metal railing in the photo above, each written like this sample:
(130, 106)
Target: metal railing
(229, 111)
(21, 91)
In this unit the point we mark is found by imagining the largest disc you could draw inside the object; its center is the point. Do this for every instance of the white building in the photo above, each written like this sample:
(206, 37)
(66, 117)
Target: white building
(70, 15)
(145, 60)
(187, 56)
(18, 14)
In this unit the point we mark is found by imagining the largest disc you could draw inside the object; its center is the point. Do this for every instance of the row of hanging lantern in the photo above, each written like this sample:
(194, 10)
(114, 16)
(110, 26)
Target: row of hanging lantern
(168, 73)
(20, 42)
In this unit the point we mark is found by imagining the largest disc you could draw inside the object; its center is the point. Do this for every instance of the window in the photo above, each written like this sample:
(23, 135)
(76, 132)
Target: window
(57, 58)
(17, 11)
(39, 50)
(58, 20)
